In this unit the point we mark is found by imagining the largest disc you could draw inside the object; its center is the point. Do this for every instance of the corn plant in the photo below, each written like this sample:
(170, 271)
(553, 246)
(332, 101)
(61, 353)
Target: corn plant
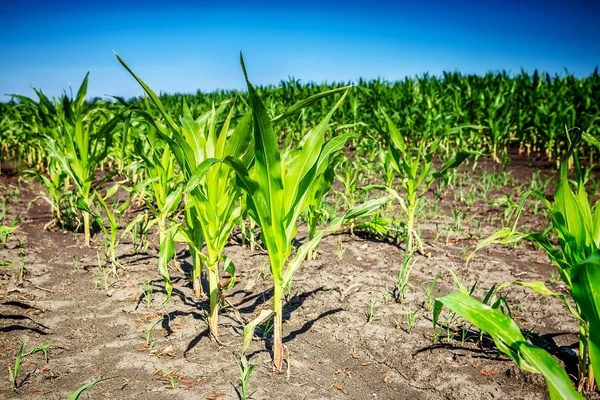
(54, 182)
(6, 231)
(113, 215)
(211, 194)
(577, 224)
(278, 192)
(417, 172)
(13, 373)
(165, 186)
(510, 341)
(75, 395)
(80, 142)
(245, 370)
(322, 185)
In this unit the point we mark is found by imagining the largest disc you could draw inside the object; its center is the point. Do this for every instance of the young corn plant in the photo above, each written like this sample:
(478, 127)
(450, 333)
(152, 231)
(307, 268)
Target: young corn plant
(6, 231)
(77, 393)
(321, 186)
(166, 190)
(13, 373)
(80, 142)
(417, 173)
(278, 192)
(211, 194)
(577, 223)
(509, 340)
(114, 215)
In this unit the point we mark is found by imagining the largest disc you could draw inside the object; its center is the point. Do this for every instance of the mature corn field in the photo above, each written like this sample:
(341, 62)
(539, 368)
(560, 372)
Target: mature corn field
(431, 238)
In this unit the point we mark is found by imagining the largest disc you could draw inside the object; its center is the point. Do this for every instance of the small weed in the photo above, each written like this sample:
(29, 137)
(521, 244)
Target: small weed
(147, 291)
(372, 306)
(430, 292)
(340, 249)
(76, 265)
(410, 319)
(149, 330)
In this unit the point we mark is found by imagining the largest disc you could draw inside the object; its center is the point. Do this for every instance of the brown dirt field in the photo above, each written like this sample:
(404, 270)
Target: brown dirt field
(333, 351)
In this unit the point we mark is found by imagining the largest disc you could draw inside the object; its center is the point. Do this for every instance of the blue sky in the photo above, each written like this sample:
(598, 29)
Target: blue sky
(183, 46)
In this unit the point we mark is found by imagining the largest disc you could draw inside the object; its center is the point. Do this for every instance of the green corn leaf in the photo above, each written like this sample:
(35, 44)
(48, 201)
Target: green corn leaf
(333, 146)
(173, 200)
(366, 209)
(294, 264)
(138, 218)
(7, 230)
(166, 254)
(300, 171)
(199, 173)
(82, 205)
(81, 93)
(585, 289)
(78, 392)
(304, 103)
(541, 288)
(509, 339)
(251, 327)
(229, 268)
(152, 96)
(268, 175)
(363, 210)
(454, 162)
(182, 236)
(396, 137)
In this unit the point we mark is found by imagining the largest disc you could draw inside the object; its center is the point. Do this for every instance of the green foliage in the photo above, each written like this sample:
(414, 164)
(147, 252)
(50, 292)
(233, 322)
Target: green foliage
(577, 224)
(212, 196)
(13, 373)
(78, 392)
(510, 341)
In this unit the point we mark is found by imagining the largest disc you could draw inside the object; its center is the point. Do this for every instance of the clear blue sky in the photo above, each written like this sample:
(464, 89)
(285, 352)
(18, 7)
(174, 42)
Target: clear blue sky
(180, 46)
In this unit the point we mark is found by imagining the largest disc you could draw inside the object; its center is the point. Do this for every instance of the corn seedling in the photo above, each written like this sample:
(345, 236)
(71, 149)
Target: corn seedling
(13, 373)
(410, 319)
(103, 275)
(245, 369)
(417, 172)
(78, 392)
(404, 275)
(148, 331)
(79, 143)
(6, 231)
(321, 186)
(430, 292)
(44, 348)
(372, 306)
(166, 188)
(113, 214)
(147, 292)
